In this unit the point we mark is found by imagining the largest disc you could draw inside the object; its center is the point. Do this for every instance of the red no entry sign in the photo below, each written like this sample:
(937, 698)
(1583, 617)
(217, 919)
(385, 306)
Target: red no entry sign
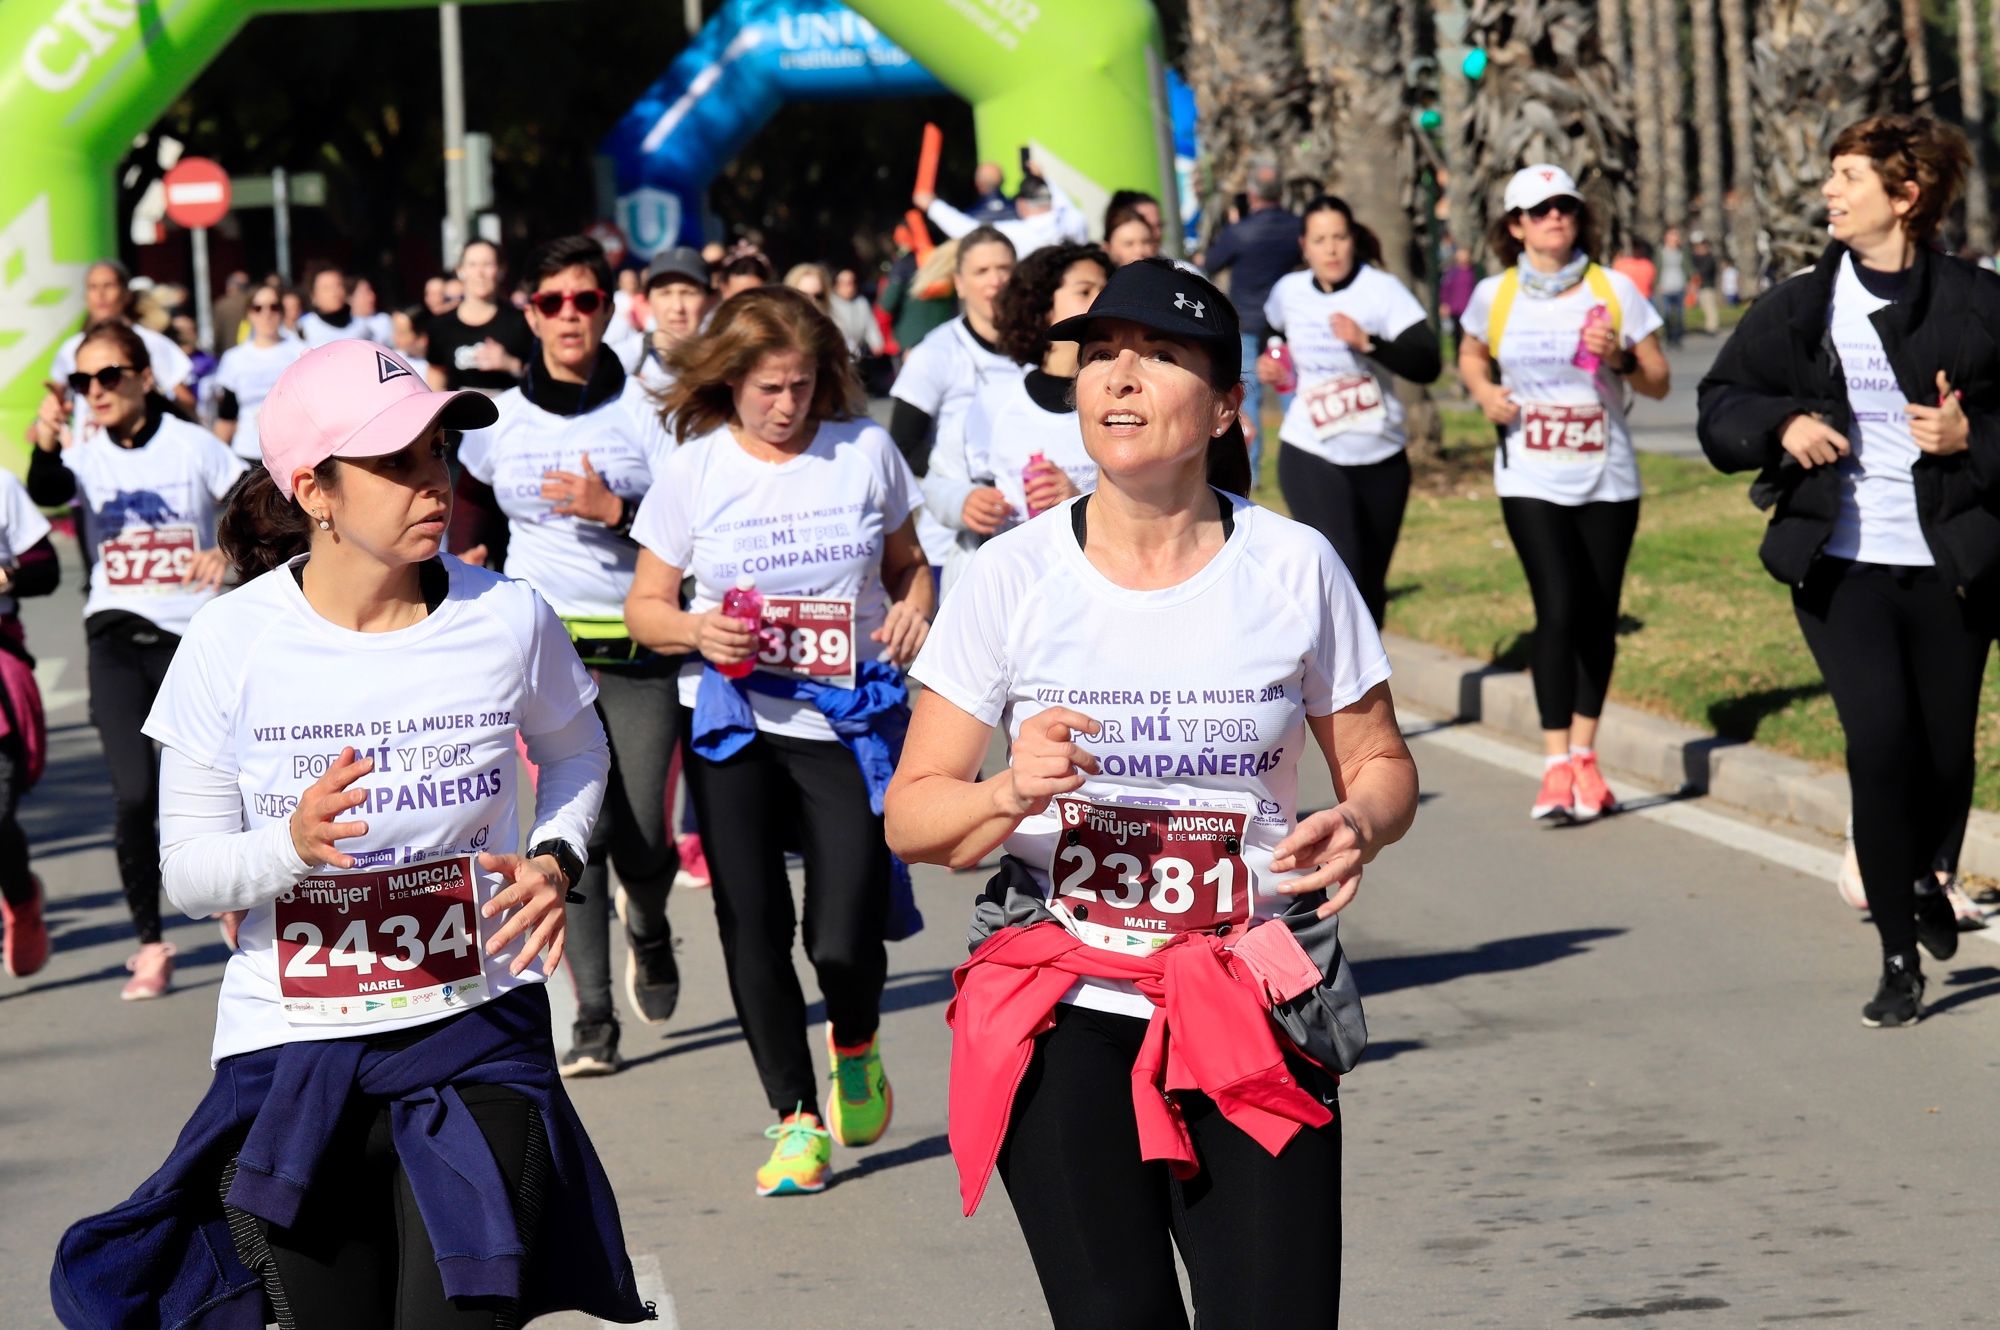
(197, 193)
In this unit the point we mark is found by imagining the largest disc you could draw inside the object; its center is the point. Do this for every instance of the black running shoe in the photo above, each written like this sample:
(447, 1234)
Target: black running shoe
(1899, 999)
(1986, 896)
(1937, 923)
(653, 979)
(593, 1048)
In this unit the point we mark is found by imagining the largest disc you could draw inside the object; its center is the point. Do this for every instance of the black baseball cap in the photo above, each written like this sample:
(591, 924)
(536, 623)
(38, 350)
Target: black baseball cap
(1170, 298)
(680, 261)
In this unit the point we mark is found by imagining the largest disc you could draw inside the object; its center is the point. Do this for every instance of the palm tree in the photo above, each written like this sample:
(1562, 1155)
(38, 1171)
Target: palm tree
(1972, 114)
(1821, 65)
(1646, 120)
(1611, 31)
(1549, 95)
(1355, 50)
(1742, 141)
(1920, 56)
(1672, 92)
(1250, 87)
(1708, 118)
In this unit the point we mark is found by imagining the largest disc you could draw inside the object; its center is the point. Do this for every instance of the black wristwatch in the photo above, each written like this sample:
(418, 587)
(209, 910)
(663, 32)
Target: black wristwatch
(566, 858)
(1627, 362)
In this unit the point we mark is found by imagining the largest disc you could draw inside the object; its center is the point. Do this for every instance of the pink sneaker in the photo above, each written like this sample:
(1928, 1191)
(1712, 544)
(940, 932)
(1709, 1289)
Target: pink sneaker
(152, 968)
(694, 863)
(1593, 797)
(27, 942)
(1557, 796)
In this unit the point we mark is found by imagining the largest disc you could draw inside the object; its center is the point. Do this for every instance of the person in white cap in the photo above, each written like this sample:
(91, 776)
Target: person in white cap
(386, 1140)
(1568, 339)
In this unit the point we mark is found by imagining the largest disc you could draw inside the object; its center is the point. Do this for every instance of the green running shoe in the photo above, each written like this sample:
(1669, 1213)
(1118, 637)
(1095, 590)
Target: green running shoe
(800, 1160)
(862, 1102)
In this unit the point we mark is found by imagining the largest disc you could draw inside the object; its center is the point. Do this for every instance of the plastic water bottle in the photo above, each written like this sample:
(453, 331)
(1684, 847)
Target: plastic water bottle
(1586, 359)
(1288, 374)
(743, 602)
(1036, 462)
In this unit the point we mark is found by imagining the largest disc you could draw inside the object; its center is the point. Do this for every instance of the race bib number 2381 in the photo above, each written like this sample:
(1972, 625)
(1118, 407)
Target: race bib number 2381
(1130, 876)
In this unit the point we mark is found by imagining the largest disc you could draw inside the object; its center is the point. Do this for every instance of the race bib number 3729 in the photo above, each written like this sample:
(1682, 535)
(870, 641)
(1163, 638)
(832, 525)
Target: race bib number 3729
(380, 944)
(1131, 876)
(148, 558)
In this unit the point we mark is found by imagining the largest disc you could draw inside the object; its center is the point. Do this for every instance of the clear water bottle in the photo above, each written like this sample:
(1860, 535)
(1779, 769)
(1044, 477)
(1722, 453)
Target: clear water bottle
(1586, 359)
(1036, 462)
(745, 603)
(1281, 355)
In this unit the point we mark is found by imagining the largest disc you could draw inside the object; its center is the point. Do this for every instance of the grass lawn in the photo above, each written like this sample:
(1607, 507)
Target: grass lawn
(1708, 636)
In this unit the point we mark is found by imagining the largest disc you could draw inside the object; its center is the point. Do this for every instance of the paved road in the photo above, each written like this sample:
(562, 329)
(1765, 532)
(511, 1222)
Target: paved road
(1617, 1075)
(1667, 426)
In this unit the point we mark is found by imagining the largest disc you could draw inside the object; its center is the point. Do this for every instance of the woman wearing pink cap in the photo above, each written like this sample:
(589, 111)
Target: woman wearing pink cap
(386, 1141)
(151, 485)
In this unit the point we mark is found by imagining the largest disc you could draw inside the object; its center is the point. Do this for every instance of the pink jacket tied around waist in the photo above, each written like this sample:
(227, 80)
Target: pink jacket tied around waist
(1212, 999)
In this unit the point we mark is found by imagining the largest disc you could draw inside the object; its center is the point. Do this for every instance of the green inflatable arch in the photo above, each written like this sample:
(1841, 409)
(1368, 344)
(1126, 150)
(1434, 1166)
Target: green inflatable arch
(1082, 83)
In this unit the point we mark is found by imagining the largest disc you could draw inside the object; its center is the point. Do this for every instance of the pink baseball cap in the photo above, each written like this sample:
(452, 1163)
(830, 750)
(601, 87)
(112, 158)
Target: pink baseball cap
(355, 399)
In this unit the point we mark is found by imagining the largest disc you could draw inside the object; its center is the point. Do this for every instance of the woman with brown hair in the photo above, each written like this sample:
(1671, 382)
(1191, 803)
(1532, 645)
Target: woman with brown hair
(1129, 235)
(1878, 465)
(793, 514)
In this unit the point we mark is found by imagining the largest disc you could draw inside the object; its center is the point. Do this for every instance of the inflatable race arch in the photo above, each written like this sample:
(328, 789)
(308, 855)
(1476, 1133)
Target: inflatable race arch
(1082, 84)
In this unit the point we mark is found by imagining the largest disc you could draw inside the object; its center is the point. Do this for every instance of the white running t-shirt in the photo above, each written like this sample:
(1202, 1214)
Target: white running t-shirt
(1202, 689)
(1570, 444)
(1878, 494)
(1006, 427)
(583, 568)
(250, 372)
(941, 376)
(810, 527)
(146, 511)
(266, 690)
(1346, 410)
(22, 526)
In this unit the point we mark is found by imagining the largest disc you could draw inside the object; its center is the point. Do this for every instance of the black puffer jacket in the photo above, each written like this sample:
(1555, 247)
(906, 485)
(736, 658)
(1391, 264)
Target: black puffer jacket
(1781, 362)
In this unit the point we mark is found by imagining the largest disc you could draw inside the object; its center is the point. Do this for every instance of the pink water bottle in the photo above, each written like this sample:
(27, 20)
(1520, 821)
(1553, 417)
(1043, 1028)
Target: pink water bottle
(1585, 359)
(742, 601)
(1288, 374)
(1036, 462)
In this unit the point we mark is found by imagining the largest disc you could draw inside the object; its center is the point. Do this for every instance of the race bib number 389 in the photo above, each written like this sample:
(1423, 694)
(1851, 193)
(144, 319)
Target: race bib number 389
(811, 637)
(1128, 877)
(380, 944)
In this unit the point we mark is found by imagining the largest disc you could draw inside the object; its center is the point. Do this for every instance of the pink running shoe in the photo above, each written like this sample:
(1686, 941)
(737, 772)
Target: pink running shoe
(694, 863)
(1848, 883)
(152, 968)
(1558, 793)
(27, 943)
(1593, 797)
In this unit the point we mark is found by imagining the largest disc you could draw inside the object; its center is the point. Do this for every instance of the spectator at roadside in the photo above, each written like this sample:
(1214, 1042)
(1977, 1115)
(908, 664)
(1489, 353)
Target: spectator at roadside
(993, 204)
(1707, 275)
(1635, 261)
(854, 316)
(913, 316)
(1045, 216)
(1261, 247)
(1670, 295)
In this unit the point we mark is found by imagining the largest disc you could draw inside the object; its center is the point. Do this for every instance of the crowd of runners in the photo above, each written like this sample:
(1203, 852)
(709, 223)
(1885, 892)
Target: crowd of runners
(629, 551)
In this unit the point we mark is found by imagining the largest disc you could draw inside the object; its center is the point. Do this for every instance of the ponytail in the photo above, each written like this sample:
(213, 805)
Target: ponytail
(261, 528)
(1229, 461)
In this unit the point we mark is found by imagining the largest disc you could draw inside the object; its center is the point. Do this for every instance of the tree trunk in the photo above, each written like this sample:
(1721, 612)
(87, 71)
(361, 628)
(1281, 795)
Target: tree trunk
(1611, 31)
(1454, 103)
(1920, 57)
(1972, 114)
(1549, 95)
(1250, 91)
(1821, 65)
(1708, 119)
(1646, 121)
(1673, 112)
(1742, 143)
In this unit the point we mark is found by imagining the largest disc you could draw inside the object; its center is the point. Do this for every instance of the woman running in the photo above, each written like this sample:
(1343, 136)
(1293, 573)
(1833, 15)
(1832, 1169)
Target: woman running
(1024, 432)
(386, 1141)
(548, 495)
(782, 491)
(1157, 651)
(1129, 235)
(28, 567)
(250, 369)
(1350, 326)
(1566, 337)
(151, 487)
(1878, 463)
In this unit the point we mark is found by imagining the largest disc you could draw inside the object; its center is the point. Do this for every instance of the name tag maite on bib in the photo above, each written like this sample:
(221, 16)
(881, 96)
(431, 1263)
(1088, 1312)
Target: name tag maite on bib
(148, 558)
(811, 637)
(1344, 404)
(1556, 433)
(1129, 877)
(381, 944)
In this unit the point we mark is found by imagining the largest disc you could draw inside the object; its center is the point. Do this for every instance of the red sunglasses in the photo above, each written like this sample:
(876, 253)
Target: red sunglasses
(551, 303)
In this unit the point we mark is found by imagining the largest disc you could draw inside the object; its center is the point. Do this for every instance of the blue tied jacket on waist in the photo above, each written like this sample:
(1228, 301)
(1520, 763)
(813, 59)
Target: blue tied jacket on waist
(869, 718)
(164, 1259)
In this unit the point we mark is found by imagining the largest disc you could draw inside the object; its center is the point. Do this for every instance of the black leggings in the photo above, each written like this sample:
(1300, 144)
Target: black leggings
(16, 883)
(1260, 1236)
(808, 795)
(359, 1255)
(1904, 657)
(128, 662)
(1574, 556)
(1358, 508)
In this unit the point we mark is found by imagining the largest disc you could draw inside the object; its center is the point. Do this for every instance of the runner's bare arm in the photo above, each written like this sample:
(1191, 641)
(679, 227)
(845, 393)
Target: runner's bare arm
(906, 576)
(654, 616)
(938, 811)
(1376, 780)
(1475, 371)
(1652, 378)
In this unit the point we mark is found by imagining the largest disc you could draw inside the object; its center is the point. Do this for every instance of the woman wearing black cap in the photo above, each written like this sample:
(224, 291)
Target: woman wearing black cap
(1162, 921)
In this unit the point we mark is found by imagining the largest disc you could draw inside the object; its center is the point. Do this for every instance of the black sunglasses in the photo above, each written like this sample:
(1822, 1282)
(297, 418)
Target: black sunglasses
(266, 309)
(108, 378)
(550, 303)
(1562, 203)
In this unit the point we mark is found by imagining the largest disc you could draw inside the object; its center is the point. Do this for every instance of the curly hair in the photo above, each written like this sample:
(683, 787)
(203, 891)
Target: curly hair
(1021, 314)
(750, 325)
(1911, 150)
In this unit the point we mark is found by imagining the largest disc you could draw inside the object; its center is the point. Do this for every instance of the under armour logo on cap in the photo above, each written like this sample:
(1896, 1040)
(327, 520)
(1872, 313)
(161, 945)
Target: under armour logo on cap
(1182, 302)
(387, 367)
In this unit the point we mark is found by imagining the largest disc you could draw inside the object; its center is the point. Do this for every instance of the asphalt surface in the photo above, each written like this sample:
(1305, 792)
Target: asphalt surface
(1617, 1073)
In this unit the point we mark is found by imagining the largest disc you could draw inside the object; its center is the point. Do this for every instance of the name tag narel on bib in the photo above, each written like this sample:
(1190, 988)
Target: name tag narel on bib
(380, 944)
(1557, 433)
(1345, 403)
(809, 637)
(148, 558)
(1129, 876)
